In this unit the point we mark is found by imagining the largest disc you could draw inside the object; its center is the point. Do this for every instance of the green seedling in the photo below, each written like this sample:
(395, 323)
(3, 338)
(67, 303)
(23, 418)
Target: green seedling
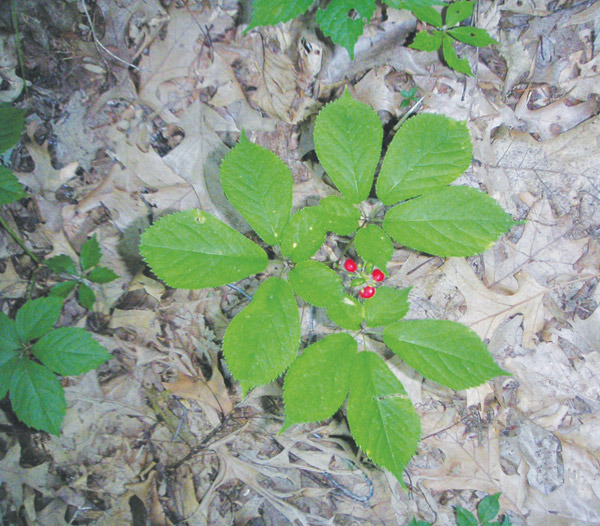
(409, 96)
(88, 271)
(193, 249)
(31, 351)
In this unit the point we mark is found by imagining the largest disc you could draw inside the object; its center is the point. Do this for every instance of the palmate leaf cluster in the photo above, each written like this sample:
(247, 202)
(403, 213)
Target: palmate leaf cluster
(193, 249)
(31, 351)
(88, 270)
(487, 510)
(343, 21)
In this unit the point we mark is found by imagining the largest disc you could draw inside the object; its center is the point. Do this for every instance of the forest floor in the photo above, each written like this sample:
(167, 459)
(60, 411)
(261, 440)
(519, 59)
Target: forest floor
(160, 434)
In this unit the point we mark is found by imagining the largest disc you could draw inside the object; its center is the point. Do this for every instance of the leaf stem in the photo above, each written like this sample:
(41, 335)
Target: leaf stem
(18, 240)
(15, 21)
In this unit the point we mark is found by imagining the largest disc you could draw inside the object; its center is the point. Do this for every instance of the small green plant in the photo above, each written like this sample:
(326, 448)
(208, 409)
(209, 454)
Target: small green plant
(343, 21)
(31, 351)
(487, 509)
(88, 270)
(409, 96)
(417, 209)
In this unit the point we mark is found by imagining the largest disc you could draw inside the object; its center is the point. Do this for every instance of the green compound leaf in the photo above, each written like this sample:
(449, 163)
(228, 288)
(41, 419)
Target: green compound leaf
(259, 185)
(269, 13)
(458, 11)
(455, 221)
(446, 352)
(347, 312)
(339, 215)
(488, 508)
(263, 339)
(37, 397)
(10, 187)
(9, 338)
(194, 250)
(428, 152)
(374, 246)
(387, 306)
(316, 283)
(36, 318)
(426, 41)
(465, 517)
(425, 13)
(459, 64)
(62, 290)
(86, 296)
(8, 363)
(70, 351)
(62, 264)
(472, 35)
(382, 419)
(303, 235)
(12, 122)
(317, 382)
(90, 253)
(102, 275)
(336, 23)
(348, 137)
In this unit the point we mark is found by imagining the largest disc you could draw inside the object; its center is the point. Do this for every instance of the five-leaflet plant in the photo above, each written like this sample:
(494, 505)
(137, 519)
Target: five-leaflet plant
(193, 249)
(31, 351)
(88, 270)
(487, 510)
(343, 21)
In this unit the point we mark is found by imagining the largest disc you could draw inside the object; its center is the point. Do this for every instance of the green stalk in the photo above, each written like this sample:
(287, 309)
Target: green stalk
(15, 21)
(18, 240)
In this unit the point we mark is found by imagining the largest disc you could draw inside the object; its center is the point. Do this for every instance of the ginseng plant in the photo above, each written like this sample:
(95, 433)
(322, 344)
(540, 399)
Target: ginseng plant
(193, 250)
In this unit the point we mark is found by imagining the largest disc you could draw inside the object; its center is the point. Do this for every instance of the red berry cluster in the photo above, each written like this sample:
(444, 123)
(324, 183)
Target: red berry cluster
(368, 291)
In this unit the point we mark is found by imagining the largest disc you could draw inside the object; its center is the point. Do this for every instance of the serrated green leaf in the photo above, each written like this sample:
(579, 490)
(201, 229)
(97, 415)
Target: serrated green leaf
(336, 23)
(339, 215)
(473, 36)
(458, 11)
(70, 351)
(37, 397)
(9, 337)
(426, 14)
(374, 246)
(465, 517)
(428, 152)
(86, 296)
(316, 283)
(347, 312)
(62, 290)
(259, 185)
(36, 318)
(446, 352)
(8, 363)
(387, 306)
(194, 250)
(455, 221)
(426, 41)
(488, 507)
(348, 137)
(459, 64)
(269, 13)
(382, 419)
(12, 122)
(102, 275)
(62, 264)
(303, 235)
(317, 382)
(10, 187)
(263, 339)
(90, 253)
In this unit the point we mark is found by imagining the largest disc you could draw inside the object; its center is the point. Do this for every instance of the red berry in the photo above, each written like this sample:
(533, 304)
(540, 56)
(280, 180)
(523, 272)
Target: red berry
(350, 265)
(378, 275)
(367, 292)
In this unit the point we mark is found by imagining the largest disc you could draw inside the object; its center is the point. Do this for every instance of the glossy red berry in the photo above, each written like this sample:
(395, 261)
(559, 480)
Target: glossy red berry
(378, 275)
(350, 265)
(367, 292)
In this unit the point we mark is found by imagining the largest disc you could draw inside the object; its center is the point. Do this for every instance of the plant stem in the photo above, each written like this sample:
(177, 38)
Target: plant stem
(18, 240)
(15, 21)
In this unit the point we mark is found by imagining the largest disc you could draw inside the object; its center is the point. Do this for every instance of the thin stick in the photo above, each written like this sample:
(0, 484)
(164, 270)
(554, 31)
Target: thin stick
(18, 240)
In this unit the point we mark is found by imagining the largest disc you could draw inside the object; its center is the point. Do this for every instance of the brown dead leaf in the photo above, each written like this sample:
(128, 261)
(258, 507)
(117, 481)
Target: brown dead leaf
(11, 285)
(487, 310)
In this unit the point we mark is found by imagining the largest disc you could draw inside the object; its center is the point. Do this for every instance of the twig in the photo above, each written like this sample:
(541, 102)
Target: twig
(241, 291)
(414, 108)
